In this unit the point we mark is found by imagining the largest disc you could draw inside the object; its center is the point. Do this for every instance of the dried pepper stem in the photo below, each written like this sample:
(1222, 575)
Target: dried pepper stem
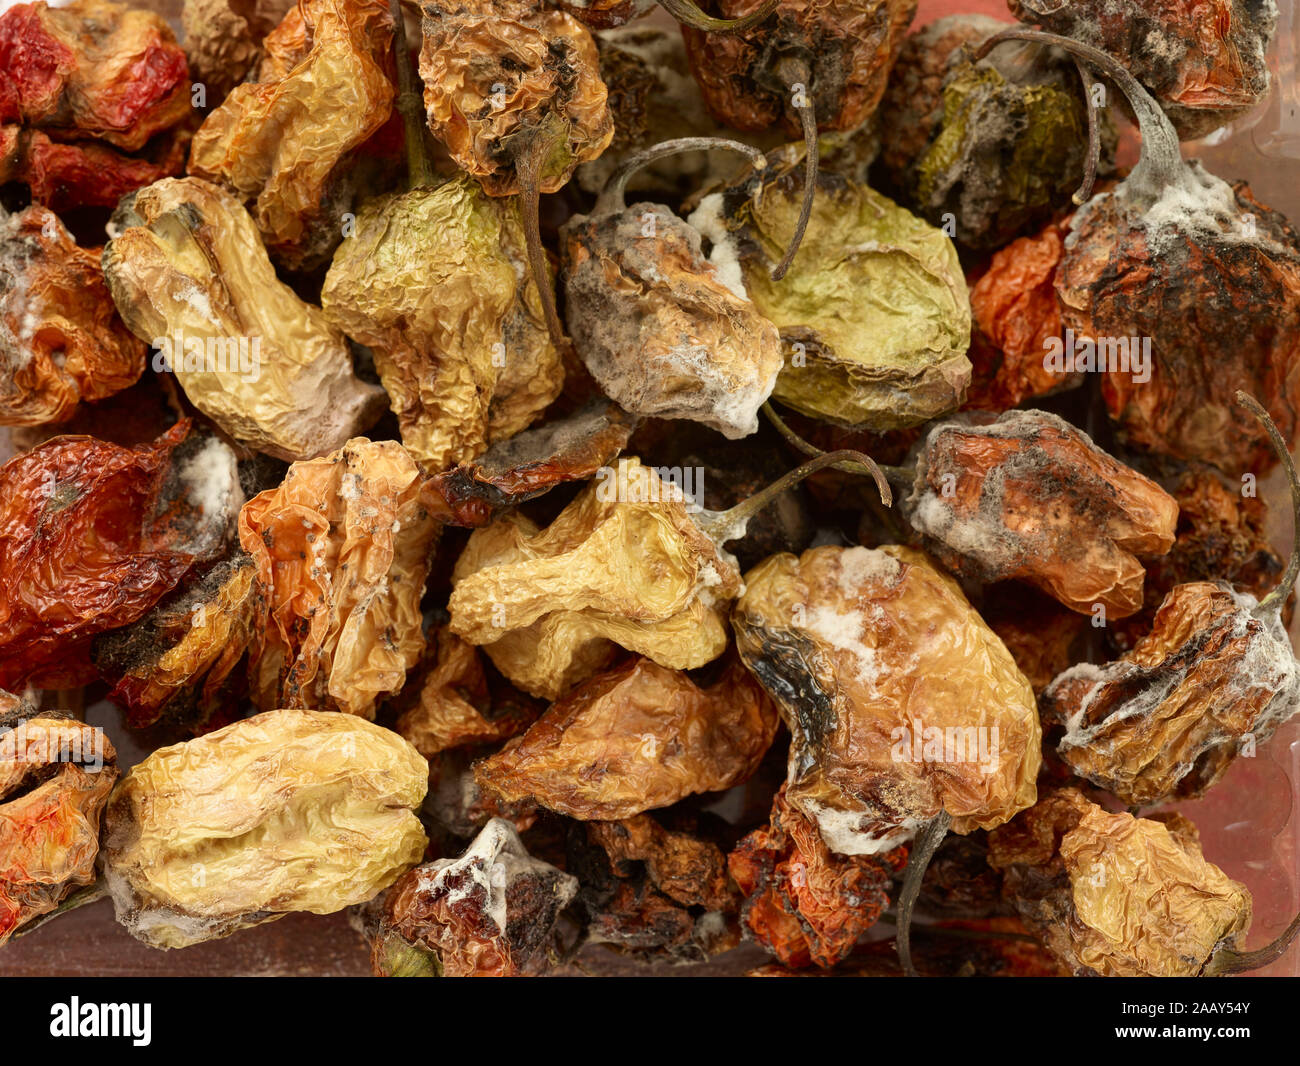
(1226, 962)
(794, 71)
(540, 144)
(1283, 588)
(419, 172)
(1094, 136)
(926, 844)
(883, 475)
(1161, 162)
(613, 195)
(722, 526)
(692, 15)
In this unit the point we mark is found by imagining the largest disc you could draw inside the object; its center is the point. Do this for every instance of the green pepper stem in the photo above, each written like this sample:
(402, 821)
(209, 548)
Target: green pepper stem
(528, 169)
(419, 172)
(885, 476)
(794, 71)
(1283, 588)
(1225, 961)
(918, 861)
(722, 526)
(613, 197)
(92, 893)
(685, 11)
(1161, 162)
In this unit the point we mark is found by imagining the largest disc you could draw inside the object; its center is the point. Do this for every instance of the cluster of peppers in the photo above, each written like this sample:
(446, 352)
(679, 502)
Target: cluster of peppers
(377, 530)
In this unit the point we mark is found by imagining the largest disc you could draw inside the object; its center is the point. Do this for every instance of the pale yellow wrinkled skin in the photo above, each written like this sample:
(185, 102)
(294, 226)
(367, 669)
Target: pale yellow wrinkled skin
(286, 811)
(545, 604)
(342, 552)
(432, 282)
(1147, 902)
(191, 262)
(890, 643)
(877, 298)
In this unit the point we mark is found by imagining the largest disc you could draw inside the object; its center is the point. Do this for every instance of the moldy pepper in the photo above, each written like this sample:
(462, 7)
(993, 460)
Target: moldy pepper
(664, 331)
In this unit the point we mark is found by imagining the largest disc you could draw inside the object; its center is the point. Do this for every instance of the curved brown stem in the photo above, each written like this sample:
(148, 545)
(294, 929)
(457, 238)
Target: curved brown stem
(796, 72)
(918, 861)
(685, 11)
(419, 172)
(613, 195)
(1277, 596)
(1094, 136)
(1161, 163)
(722, 526)
(528, 169)
(882, 475)
(1226, 961)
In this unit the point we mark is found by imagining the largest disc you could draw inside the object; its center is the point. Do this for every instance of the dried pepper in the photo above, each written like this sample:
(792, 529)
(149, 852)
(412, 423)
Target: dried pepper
(83, 174)
(454, 707)
(812, 66)
(490, 913)
(602, 14)
(1039, 633)
(1031, 497)
(548, 608)
(434, 281)
(92, 535)
(1008, 146)
(892, 354)
(1119, 896)
(652, 891)
(459, 807)
(909, 716)
(805, 903)
(513, 90)
(1215, 673)
(289, 810)
(92, 68)
(223, 38)
(664, 331)
(529, 464)
(342, 552)
(635, 738)
(1157, 272)
(1204, 63)
(61, 341)
(284, 142)
(1017, 319)
(55, 777)
(178, 660)
(189, 275)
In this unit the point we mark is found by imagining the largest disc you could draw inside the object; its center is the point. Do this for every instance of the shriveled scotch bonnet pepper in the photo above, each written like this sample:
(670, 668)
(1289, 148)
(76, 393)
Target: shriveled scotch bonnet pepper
(1205, 63)
(61, 341)
(342, 552)
(1216, 672)
(289, 810)
(188, 270)
(1112, 895)
(664, 331)
(875, 309)
(633, 739)
(1008, 148)
(1196, 272)
(548, 607)
(223, 38)
(55, 776)
(91, 69)
(491, 912)
(513, 90)
(805, 903)
(93, 534)
(435, 282)
(1031, 497)
(283, 142)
